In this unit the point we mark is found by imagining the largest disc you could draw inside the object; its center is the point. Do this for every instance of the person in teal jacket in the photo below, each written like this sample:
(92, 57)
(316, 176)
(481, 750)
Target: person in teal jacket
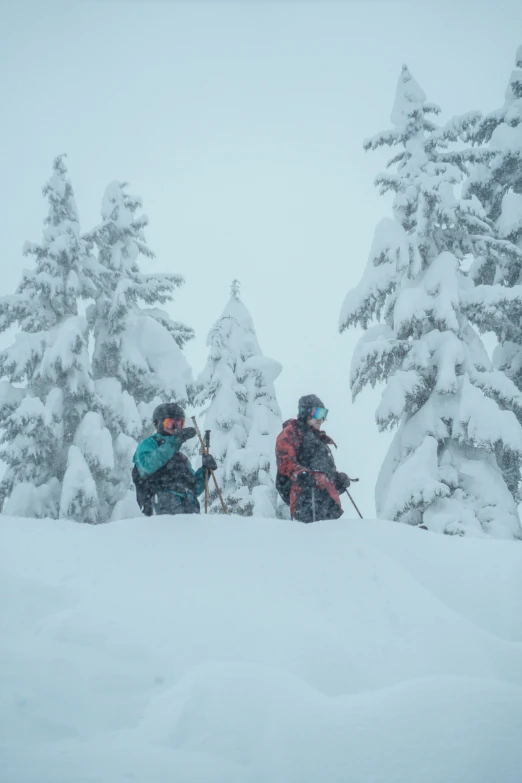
(166, 482)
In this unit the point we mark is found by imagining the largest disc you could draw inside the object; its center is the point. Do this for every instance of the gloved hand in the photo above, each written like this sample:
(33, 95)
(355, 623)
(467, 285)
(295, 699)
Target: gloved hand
(186, 434)
(341, 481)
(305, 480)
(208, 462)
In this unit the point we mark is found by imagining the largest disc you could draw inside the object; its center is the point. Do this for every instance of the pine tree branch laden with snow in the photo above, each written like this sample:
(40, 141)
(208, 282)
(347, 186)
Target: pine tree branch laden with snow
(455, 461)
(496, 179)
(139, 346)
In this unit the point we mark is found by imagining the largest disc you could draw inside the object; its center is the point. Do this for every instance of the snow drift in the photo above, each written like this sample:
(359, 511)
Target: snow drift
(251, 650)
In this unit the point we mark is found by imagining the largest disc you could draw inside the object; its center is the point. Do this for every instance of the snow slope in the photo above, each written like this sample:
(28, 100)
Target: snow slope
(183, 650)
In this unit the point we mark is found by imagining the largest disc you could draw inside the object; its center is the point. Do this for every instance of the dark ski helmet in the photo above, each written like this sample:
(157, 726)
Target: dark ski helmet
(307, 404)
(167, 410)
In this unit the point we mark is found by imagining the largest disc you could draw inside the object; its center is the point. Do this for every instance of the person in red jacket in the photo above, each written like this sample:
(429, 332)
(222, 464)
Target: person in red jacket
(307, 477)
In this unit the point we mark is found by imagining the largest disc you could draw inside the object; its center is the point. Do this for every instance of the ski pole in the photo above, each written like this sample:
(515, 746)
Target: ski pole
(223, 504)
(353, 501)
(354, 504)
(207, 447)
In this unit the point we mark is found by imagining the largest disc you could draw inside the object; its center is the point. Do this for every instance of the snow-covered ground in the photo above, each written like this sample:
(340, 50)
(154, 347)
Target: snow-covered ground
(183, 650)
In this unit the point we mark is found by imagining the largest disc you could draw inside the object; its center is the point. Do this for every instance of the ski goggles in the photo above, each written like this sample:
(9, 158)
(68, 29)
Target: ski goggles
(173, 424)
(319, 413)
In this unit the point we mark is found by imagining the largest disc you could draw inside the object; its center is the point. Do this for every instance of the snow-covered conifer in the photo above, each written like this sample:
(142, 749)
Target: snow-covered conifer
(49, 389)
(237, 386)
(496, 179)
(138, 359)
(454, 464)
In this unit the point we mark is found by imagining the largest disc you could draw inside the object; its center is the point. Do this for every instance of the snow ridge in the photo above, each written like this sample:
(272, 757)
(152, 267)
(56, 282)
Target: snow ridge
(233, 650)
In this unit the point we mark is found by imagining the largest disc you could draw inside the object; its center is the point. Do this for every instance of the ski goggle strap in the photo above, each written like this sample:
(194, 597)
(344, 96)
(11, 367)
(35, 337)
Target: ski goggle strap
(173, 424)
(319, 413)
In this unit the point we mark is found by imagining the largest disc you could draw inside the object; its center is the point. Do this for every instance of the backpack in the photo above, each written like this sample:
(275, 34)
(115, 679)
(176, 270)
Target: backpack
(143, 492)
(284, 483)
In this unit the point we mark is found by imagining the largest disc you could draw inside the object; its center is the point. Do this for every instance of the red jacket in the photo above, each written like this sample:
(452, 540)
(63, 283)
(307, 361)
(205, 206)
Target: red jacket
(288, 444)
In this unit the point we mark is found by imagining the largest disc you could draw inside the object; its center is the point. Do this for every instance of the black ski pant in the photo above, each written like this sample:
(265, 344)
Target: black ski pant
(174, 503)
(314, 505)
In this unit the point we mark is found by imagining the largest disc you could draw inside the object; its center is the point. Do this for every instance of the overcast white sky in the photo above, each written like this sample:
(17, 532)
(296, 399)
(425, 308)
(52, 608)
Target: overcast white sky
(241, 126)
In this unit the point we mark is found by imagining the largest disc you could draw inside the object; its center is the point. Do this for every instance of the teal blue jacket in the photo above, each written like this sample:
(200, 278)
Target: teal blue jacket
(153, 453)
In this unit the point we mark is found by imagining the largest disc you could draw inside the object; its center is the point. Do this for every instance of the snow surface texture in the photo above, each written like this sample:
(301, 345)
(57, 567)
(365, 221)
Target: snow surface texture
(225, 650)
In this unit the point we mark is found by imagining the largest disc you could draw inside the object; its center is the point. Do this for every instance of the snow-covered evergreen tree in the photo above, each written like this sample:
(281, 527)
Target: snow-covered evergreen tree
(237, 387)
(496, 179)
(454, 464)
(49, 389)
(138, 359)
